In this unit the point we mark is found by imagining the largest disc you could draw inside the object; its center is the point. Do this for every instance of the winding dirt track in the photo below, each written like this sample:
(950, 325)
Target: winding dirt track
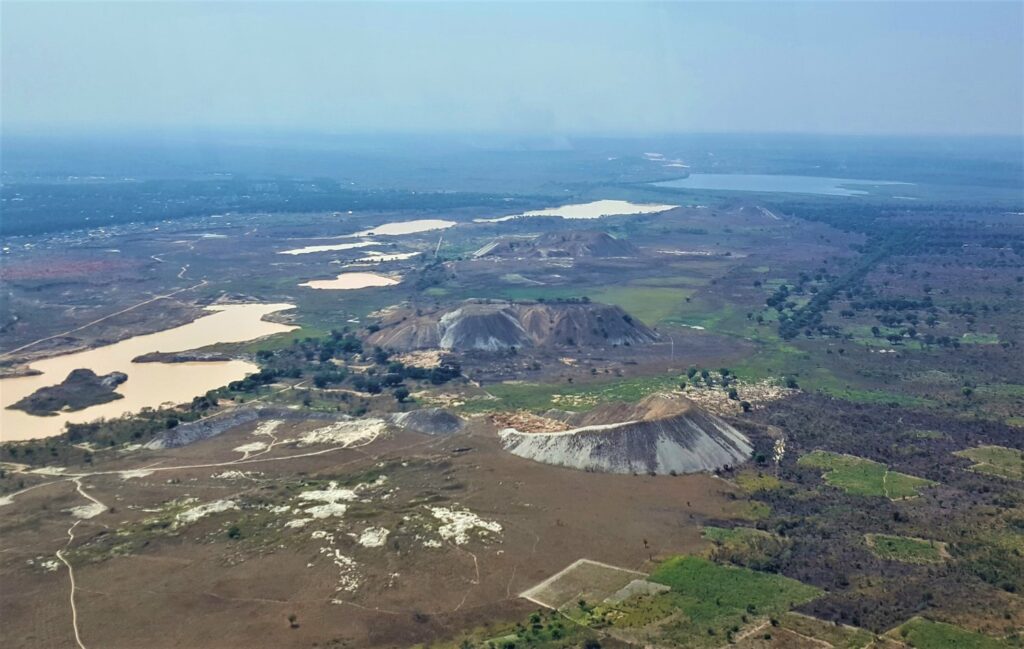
(76, 478)
(71, 576)
(10, 352)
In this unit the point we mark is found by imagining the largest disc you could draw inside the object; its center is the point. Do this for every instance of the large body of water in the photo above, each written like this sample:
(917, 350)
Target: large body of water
(778, 183)
(148, 384)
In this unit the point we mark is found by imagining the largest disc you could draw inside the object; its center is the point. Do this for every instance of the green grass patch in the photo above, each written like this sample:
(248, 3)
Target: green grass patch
(708, 601)
(825, 382)
(722, 318)
(652, 305)
(755, 481)
(731, 586)
(754, 510)
(971, 338)
(538, 397)
(927, 634)
(905, 548)
(857, 475)
(996, 460)
(679, 282)
(927, 434)
(743, 546)
(1011, 390)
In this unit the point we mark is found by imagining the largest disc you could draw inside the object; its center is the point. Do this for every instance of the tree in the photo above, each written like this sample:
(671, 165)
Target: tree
(401, 393)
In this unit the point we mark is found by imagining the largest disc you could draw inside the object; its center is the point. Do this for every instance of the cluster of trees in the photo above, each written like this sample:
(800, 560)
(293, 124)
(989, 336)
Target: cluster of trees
(318, 359)
(725, 379)
(263, 377)
(104, 433)
(565, 300)
(890, 233)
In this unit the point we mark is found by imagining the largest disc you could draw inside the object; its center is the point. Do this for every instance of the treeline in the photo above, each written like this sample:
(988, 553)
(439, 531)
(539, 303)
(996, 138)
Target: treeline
(33, 208)
(808, 318)
(79, 442)
(890, 235)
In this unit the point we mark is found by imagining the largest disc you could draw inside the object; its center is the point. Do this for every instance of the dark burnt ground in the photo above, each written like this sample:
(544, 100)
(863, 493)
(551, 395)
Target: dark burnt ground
(979, 516)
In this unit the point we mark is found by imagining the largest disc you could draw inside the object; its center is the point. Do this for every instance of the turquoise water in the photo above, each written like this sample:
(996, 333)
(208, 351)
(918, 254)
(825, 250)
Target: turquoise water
(778, 183)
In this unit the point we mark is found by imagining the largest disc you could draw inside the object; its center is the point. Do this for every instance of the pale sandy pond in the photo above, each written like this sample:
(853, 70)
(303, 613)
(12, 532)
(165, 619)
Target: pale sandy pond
(327, 248)
(405, 227)
(592, 210)
(350, 281)
(148, 384)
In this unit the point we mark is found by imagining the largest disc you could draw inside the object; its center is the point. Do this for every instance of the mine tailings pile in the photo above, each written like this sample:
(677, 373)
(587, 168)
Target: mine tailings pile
(557, 245)
(482, 326)
(661, 434)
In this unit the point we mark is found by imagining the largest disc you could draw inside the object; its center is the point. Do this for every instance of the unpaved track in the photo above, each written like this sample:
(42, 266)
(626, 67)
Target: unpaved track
(71, 576)
(106, 317)
(76, 479)
(78, 488)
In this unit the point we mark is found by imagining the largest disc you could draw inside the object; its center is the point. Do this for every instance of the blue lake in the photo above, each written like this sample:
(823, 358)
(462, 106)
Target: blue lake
(778, 183)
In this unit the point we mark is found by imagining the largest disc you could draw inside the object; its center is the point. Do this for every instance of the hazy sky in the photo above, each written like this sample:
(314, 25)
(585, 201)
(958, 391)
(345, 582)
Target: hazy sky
(865, 67)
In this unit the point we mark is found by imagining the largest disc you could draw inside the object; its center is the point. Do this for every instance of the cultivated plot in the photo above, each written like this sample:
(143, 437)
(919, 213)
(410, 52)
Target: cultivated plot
(864, 477)
(996, 460)
(586, 580)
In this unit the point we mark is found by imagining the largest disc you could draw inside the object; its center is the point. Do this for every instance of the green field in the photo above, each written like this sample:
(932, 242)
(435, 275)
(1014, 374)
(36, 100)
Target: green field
(745, 546)
(926, 634)
(652, 304)
(979, 339)
(755, 481)
(732, 587)
(904, 548)
(715, 601)
(857, 475)
(539, 397)
(996, 460)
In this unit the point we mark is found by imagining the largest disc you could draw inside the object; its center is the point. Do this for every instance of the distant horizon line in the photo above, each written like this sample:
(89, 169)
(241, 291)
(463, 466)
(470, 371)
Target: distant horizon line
(135, 132)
